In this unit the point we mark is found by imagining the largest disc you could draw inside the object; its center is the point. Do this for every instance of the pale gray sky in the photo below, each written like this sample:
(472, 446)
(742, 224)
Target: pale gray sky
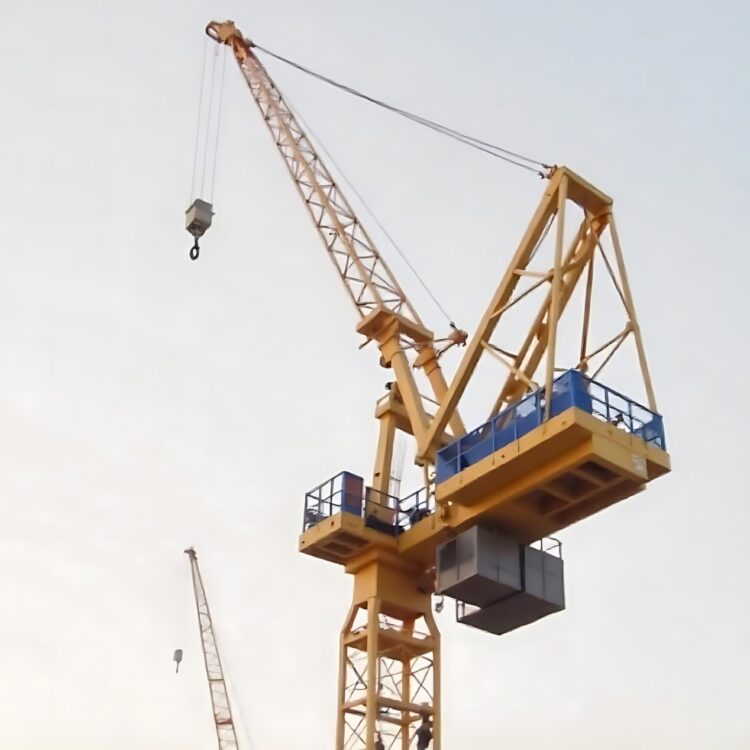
(148, 403)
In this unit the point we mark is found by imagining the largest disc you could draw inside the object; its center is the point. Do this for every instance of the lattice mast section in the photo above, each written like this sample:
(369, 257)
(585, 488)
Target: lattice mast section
(404, 690)
(389, 672)
(222, 711)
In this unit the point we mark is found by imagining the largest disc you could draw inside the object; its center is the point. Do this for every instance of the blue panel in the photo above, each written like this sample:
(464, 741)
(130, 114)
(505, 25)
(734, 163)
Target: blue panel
(582, 400)
(444, 470)
(653, 432)
(479, 451)
(447, 462)
(526, 424)
(504, 437)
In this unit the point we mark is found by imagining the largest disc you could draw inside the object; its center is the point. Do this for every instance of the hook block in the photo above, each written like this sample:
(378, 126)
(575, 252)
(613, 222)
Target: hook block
(198, 217)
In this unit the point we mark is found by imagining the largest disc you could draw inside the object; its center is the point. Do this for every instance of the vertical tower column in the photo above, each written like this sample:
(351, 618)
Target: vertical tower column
(389, 672)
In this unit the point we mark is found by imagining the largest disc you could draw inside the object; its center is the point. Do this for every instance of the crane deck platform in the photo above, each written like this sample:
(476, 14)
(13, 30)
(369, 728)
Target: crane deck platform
(558, 474)
(519, 473)
(341, 537)
(531, 477)
(399, 645)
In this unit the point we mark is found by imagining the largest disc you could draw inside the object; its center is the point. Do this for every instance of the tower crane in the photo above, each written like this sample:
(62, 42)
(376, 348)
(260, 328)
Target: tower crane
(550, 453)
(222, 710)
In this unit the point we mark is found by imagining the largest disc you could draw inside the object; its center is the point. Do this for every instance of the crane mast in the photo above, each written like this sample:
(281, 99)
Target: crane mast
(549, 456)
(222, 711)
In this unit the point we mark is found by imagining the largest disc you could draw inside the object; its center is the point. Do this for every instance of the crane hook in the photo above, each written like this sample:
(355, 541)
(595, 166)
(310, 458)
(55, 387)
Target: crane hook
(195, 250)
(197, 221)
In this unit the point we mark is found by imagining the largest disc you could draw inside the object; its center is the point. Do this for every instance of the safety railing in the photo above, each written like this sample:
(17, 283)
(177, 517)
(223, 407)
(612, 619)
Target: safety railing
(342, 493)
(382, 513)
(611, 406)
(346, 493)
(571, 389)
(418, 505)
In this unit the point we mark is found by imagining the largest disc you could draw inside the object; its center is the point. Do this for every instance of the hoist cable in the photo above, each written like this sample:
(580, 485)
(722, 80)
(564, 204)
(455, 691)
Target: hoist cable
(481, 145)
(218, 123)
(511, 157)
(208, 119)
(367, 208)
(198, 126)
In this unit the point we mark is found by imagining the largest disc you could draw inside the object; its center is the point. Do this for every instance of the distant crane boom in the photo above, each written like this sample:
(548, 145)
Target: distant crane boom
(219, 696)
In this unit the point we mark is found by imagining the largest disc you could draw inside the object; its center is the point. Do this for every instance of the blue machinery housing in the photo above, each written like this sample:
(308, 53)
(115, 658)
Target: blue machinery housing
(346, 492)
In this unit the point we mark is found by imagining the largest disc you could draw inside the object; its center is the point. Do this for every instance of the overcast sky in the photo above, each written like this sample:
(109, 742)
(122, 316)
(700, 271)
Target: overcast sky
(148, 403)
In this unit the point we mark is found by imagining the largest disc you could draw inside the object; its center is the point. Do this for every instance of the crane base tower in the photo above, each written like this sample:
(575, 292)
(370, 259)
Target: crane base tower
(389, 671)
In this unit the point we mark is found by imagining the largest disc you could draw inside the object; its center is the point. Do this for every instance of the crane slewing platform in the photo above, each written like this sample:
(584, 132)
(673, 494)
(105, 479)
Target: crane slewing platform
(559, 444)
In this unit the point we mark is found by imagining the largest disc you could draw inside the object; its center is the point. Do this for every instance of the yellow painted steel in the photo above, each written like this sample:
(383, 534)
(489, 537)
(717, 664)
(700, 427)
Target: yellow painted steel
(565, 470)
(389, 672)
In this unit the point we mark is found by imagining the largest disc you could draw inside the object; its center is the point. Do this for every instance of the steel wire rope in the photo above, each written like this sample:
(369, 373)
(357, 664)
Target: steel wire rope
(218, 124)
(540, 168)
(369, 210)
(198, 125)
(208, 119)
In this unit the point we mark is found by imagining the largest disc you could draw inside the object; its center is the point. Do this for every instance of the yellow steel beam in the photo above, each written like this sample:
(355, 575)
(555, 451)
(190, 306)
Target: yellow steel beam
(489, 320)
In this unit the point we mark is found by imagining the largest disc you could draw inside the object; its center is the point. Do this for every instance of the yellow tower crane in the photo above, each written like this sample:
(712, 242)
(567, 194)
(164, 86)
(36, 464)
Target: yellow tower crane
(549, 454)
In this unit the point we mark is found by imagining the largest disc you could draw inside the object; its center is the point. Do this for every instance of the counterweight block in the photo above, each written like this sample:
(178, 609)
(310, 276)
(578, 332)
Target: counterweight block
(500, 585)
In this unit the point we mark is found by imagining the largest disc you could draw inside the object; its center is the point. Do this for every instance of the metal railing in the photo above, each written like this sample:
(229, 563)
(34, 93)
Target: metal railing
(382, 513)
(418, 505)
(571, 389)
(343, 492)
(346, 493)
(548, 545)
